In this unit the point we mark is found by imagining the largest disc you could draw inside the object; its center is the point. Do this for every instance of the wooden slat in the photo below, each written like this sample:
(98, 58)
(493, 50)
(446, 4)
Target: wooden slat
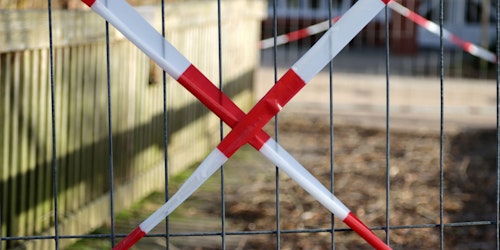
(47, 168)
(100, 128)
(120, 83)
(13, 144)
(68, 113)
(116, 59)
(4, 140)
(31, 120)
(75, 130)
(90, 104)
(39, 116)
(22, 144)
(131, 93)
(62, 80)
(86, 133)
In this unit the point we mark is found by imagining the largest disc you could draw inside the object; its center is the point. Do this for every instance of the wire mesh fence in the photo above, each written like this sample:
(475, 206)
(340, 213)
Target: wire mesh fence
(424, 172)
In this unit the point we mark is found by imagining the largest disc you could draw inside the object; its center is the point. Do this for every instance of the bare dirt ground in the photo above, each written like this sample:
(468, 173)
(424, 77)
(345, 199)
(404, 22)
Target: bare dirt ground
(359, 181)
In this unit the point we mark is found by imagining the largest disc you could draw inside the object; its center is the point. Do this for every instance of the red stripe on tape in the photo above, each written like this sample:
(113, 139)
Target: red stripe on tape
(467, 46)
(296, 35)
(131, 239)
(418, 19)
(201, 87)
(89, 2)
(355, 224)
(263, 111)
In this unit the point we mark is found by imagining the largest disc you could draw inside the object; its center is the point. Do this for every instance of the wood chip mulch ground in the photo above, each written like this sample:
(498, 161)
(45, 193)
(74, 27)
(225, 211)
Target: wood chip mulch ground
(469, 184)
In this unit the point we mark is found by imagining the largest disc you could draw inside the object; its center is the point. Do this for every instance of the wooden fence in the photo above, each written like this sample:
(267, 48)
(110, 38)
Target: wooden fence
(80, 80)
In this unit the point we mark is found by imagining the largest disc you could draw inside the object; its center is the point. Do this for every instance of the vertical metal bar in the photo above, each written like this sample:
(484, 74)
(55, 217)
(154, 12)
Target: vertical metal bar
(332, 133)
(441, 124)
(387, 130)
(497, 224)
(110, 139)
(1, 162)
(165, 127)
(54, 138)
(4, 132)
(221, 127)
(275, 65)
(1, 225)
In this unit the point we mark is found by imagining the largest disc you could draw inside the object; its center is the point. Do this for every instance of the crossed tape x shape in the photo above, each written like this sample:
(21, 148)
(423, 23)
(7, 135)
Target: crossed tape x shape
(246, 128)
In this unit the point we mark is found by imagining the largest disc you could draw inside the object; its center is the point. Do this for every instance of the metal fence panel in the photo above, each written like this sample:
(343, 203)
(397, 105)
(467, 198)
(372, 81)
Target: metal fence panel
(60, 193)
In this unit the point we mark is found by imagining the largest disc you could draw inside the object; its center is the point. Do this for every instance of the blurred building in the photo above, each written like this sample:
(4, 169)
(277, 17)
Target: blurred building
(472, 20)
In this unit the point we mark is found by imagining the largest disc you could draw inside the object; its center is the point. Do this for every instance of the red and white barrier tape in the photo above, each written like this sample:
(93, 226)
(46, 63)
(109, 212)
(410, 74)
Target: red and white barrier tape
(144, 36)
(430, 26)
(298, 34)
(434, 28)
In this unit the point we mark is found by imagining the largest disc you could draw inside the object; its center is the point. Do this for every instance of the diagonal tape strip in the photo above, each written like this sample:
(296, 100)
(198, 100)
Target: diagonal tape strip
(216, 158)
(298, 34)
(434, 28)
(430, 26)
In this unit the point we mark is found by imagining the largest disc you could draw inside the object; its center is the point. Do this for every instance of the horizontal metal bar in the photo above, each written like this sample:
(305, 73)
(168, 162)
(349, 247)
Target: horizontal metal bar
(257, 232)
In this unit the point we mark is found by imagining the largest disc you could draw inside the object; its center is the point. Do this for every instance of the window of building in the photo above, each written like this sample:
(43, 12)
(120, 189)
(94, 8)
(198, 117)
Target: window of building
(474, 10)
(314, 4)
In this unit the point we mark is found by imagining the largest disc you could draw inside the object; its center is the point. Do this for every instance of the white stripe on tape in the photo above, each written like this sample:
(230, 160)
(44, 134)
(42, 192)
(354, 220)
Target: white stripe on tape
(133, 26)
(208, 167)
(435, 29)
(336, 38)
(298, 173)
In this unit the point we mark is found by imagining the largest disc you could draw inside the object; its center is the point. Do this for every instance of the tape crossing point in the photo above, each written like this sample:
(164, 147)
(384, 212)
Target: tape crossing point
(247, 126)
